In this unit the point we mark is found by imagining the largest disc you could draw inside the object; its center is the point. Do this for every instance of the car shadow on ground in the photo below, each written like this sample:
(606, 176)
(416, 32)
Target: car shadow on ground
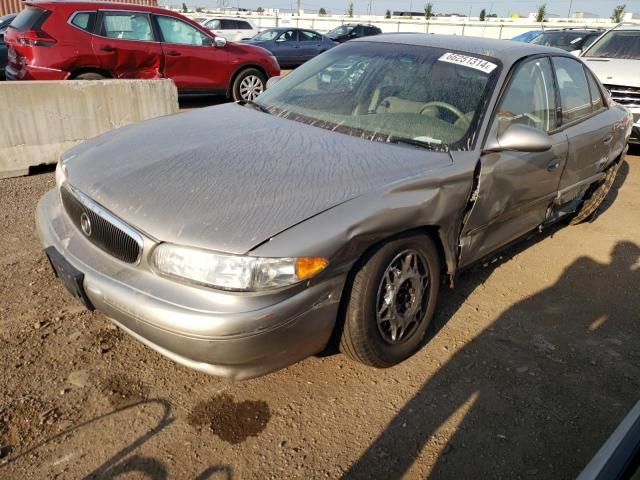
(121, 463)
(582, 329)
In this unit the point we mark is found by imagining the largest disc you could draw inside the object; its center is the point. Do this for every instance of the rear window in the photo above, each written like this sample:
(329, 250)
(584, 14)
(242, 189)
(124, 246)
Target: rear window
(30, 17)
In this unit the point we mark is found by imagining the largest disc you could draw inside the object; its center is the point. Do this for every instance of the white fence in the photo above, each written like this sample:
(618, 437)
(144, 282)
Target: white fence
(492, 28)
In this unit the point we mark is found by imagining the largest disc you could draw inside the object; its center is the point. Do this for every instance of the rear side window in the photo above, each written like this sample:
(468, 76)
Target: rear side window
(127, 26)
(84, 20)
(307, 36)
(596, 95)
(30, 17)
(244, 26)
(574, 91)
(229, 25)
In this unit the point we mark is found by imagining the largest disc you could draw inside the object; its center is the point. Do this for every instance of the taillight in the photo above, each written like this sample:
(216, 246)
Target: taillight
(35, 38)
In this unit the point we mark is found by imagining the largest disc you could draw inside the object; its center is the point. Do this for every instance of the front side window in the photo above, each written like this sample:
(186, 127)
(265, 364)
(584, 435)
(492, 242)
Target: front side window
(181, 33)
(617, 44)
(127, 26)
(288, 36)
(530, 98)
(575, 98)
(425, 96)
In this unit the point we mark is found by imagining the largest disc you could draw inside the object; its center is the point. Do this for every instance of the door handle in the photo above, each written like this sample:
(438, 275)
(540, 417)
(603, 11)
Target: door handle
(607, 139)
(108, 48)
(552, 166)
(173, 53)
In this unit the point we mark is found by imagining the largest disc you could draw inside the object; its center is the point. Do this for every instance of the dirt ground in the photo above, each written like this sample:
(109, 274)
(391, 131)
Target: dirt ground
(535, 362)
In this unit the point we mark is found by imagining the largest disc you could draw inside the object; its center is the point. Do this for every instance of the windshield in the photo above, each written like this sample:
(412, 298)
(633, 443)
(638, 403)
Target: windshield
(266, 36)
(389, 93)
(526, 36)
(617, 44)
(566, 40)
(341, 30)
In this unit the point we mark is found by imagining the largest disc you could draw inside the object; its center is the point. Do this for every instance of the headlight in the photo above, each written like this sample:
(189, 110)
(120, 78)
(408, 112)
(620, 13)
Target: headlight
(233, 272)
(61, 174)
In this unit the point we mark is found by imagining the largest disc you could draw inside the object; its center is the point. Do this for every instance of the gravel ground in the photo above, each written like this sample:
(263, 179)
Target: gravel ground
(534, 364)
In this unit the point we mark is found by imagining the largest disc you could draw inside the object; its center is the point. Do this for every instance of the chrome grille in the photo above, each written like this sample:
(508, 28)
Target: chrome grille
(627, 96)
(101, 228)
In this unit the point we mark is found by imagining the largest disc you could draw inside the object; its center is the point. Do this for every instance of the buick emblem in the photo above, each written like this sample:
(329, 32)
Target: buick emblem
(85, 224)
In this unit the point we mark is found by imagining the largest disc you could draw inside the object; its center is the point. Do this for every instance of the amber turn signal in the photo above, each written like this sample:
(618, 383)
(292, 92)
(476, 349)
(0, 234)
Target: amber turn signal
(309, 266)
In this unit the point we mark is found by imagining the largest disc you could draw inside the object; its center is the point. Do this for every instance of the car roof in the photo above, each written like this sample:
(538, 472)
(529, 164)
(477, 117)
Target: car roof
(627, 26)
(103, 5)
(505, 50)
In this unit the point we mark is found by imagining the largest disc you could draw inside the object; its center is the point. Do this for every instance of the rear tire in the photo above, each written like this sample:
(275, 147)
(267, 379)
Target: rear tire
(596, 195)
(391, 301)
(248, 84)
(90, 76)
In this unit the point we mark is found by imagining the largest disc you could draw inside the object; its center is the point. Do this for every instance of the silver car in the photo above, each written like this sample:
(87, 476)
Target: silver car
(239, 239)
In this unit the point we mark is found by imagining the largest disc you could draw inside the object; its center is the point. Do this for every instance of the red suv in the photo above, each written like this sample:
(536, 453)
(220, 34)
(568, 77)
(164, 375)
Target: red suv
(52, 40)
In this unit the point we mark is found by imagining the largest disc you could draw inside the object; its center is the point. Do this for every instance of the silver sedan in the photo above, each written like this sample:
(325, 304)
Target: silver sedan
(242, 238)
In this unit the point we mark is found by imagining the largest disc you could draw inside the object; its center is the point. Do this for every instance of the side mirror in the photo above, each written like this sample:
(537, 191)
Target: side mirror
(272, 81)
(520, 138)
(279, 39)
(576, 52)
(219, 42)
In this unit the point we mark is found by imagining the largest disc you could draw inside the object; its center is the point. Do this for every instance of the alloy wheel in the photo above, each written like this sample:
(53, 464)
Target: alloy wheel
(403, 295)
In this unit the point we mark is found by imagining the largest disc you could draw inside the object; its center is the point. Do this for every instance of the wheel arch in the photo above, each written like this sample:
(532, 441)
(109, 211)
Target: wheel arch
(433, 232)
(239, 70)
(79, 71)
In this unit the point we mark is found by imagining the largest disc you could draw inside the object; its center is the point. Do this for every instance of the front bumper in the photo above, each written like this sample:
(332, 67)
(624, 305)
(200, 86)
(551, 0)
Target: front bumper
(227, 334)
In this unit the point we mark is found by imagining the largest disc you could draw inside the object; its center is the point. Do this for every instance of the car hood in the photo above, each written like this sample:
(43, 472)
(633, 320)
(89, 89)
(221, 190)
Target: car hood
(229, 177)
(615, 71)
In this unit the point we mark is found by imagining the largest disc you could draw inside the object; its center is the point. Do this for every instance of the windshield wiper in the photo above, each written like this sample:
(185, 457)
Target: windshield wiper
(256, 105)
(410, 141)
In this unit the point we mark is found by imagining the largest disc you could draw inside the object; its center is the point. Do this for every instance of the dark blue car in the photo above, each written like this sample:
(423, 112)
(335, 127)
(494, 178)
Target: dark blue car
(4, 23)
(292, 46)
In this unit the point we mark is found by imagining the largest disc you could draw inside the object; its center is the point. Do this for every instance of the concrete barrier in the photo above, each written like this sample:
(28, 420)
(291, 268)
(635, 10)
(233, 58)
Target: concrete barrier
(40, 120)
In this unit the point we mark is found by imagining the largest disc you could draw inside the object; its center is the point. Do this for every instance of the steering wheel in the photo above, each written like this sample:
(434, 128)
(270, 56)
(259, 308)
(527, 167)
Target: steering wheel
(465, 121)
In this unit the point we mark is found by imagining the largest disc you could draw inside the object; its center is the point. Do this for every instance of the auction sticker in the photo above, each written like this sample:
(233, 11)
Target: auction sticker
(471, 62)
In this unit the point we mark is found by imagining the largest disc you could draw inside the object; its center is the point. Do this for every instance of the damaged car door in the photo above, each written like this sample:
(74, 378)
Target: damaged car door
(190, 58)
(520, 166)
(125, 44)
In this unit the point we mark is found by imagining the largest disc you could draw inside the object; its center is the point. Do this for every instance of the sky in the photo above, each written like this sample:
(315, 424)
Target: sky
(502, 8)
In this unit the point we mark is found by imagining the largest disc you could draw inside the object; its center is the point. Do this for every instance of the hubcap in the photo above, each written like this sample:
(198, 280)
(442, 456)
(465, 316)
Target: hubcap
(403, 295)
(250, 87)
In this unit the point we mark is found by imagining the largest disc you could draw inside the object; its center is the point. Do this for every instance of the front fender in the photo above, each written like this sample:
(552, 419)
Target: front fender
(344, 233)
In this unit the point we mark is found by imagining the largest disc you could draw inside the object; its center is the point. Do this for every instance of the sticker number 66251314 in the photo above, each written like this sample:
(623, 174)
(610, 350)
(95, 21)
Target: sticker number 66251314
(471, 62)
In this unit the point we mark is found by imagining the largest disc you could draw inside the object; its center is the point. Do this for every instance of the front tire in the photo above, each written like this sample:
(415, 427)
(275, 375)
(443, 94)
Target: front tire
(391, 302)
(248, 85)
(596, 195)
